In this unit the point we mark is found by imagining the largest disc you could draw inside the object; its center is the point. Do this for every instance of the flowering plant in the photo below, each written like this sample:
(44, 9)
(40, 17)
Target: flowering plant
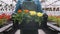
(20, 15)
(4, 18)
(37, 16)
(28, 16)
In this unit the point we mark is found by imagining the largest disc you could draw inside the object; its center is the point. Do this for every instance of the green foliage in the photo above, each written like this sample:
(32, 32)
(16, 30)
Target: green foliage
(58, 22)
(2, 21)
(54, 19)
(27, 16)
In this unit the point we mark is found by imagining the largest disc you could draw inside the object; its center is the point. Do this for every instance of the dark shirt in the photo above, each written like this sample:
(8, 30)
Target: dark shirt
(37, 2)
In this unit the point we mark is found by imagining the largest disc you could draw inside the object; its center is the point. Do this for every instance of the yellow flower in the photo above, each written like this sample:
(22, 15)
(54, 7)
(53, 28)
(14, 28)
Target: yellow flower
(39, 14)
(32, 13)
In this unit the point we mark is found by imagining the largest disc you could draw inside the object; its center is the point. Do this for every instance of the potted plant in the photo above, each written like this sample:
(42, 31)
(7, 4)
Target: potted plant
(18, 18)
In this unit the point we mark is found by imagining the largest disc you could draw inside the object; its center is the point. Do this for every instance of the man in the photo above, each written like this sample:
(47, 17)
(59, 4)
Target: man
(18, 5)
(32, 27)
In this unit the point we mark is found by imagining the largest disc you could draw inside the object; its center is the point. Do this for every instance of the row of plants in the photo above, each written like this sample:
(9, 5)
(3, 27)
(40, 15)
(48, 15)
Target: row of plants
(4, 18)
(28, 15)
(55, 19)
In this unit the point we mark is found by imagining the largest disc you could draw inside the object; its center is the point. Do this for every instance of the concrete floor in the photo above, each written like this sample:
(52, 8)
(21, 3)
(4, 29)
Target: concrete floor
(17, 32)
(40, 31)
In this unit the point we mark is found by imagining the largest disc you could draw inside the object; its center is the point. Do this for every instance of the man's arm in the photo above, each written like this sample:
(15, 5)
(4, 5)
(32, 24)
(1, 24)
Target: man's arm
(18, 6)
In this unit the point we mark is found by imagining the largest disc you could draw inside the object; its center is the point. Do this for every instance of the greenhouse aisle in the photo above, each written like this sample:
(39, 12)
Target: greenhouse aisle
(40, 31)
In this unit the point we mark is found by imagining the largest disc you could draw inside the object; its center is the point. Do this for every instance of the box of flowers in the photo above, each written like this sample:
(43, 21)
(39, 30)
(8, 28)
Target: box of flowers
(27, 18)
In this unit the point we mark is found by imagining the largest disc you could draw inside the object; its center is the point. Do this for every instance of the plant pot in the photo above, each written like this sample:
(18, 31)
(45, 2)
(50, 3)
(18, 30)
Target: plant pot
(29, 28)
